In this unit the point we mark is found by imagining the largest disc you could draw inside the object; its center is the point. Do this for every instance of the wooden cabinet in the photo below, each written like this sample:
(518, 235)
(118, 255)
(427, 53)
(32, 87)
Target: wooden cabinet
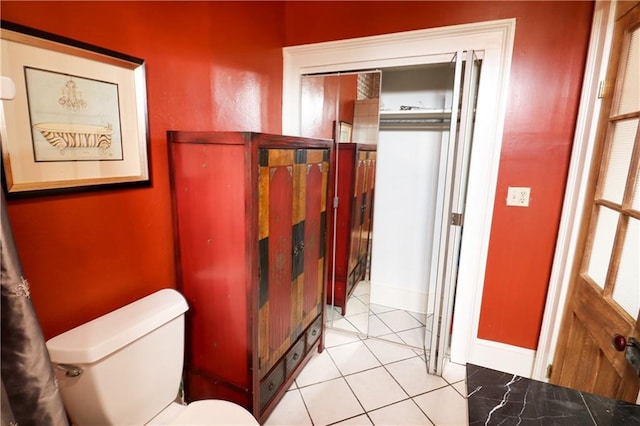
(250, 224)
(356, 166)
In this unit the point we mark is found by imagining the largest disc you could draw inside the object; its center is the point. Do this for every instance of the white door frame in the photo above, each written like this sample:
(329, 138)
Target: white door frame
(495, 39)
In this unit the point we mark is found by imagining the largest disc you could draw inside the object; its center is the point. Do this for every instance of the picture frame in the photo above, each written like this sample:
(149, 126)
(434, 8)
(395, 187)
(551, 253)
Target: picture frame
(78, 118)
(344, 131)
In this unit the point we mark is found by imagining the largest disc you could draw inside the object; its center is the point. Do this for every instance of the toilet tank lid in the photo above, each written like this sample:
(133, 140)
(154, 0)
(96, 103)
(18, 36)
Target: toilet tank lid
(96, 339)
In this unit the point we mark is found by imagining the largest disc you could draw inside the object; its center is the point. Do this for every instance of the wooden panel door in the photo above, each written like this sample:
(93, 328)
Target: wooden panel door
(278, 262)
(604, 298)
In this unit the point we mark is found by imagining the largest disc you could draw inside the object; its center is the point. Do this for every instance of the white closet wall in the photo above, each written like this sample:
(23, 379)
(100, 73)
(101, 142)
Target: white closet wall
(406, 188)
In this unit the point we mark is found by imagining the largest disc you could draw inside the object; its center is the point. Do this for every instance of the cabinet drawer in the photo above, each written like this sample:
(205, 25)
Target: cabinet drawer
(294, 356)
(314, 331)
(271, 384)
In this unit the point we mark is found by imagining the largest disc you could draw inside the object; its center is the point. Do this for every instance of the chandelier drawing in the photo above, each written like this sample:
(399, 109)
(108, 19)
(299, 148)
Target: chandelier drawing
(72, 97)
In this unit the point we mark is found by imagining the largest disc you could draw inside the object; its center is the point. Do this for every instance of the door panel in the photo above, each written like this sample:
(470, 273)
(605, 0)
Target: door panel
(280, 259)
(313, 237)
(454, 165)
(604, 298)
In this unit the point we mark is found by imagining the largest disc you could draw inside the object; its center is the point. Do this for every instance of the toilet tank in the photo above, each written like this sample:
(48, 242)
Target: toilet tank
(130, 360)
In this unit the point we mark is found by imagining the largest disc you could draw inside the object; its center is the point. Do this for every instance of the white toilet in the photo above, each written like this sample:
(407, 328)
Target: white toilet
(125, 368)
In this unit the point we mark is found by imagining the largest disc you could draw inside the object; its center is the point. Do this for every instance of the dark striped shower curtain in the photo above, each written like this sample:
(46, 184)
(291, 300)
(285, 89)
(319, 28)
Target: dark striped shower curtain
(29, 391)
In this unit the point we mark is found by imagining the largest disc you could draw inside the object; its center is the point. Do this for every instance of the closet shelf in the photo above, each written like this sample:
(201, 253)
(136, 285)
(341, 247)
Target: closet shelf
(416, 114)
(423, 119)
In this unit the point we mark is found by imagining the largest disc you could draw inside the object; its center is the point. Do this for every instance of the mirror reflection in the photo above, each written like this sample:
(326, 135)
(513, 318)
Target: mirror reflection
(345, 107)
(392, 128)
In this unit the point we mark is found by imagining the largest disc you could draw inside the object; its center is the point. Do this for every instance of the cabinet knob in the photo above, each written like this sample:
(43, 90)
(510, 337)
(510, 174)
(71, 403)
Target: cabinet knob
(296, 356)
(271, 386)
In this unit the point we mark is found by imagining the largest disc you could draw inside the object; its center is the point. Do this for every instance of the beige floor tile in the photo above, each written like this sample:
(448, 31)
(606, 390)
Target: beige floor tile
(330, 402)
(375, 388)
(453, 373)
(413, 377)
(353, 357)
(399, 320)
(405, 413)
(290, 411)
(444, 406)
(362, 420)
(334, 337)
(387, 352)
(320, 368)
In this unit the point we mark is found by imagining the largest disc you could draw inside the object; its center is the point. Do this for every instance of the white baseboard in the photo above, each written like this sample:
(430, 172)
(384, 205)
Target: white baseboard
(502, 357)
(398, 298)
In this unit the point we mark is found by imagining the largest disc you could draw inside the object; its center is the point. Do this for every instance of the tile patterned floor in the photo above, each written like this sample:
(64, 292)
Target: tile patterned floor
(384, 322)
(368, 381)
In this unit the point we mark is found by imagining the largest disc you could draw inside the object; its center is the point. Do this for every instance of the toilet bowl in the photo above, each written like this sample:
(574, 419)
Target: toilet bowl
(125, 368)
(206, 412)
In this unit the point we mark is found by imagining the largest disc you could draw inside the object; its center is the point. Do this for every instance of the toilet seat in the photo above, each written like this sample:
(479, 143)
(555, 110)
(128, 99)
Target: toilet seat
(209, 412)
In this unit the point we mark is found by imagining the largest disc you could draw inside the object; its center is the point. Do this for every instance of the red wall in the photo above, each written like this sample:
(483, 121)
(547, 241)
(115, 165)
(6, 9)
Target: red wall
(320, 98)
(217, 66)
(546, 76)
(210, 66)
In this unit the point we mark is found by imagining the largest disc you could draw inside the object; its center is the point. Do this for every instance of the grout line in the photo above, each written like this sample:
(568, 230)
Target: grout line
(357, 399)
(383, 365)
(432, 390)
(423, 412)
(349, 386)
(350, 333)
(306, 407)
(456, 389)
(401, 345)
(352, 417)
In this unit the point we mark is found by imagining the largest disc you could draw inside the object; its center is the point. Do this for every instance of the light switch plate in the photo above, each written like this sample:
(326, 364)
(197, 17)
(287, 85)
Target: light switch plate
(518, 196)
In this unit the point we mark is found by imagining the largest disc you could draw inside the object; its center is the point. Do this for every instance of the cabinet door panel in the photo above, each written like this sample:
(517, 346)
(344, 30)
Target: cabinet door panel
(313, 257)
(276, 309)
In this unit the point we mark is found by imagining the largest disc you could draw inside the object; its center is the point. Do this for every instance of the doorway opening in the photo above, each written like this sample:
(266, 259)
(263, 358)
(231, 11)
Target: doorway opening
(495, 40)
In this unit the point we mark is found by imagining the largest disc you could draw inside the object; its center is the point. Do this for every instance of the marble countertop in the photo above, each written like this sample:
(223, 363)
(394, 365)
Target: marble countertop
(497, 398)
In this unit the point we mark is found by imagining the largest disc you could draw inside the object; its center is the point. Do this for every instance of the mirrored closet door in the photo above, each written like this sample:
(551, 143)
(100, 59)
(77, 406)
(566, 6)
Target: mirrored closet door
(419, 119)
(345, 107)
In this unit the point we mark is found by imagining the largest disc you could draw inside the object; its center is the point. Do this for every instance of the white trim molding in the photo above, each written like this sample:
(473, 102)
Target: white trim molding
(502, 357)
(495, 40)
(570, 221)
